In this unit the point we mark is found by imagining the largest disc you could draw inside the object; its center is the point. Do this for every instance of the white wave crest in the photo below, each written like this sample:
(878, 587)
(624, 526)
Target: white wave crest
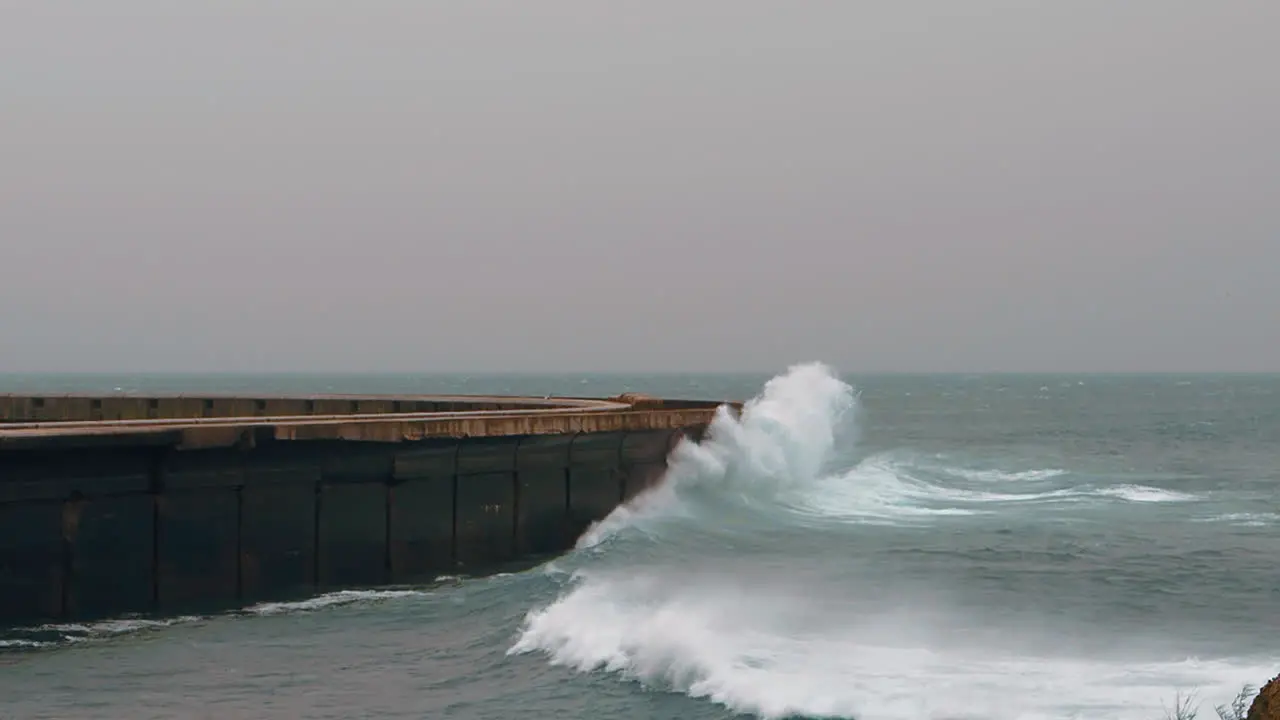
(876, 491)
(882, 488)
(780, 454)
(784, 439)
(334, 599)
(1144, 494)
(116, 626)
(1243, 519)
(786, 647)
(19, 643)
(1005, 476)
(55, 634)
(753, 652)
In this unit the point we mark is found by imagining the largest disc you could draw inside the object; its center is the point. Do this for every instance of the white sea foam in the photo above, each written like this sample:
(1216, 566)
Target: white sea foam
(785, 648)
(884, 487)
(116, 626)
(876, 491)
(1243, 519)
(755, 654)
(783, 453)
(19, 643)
(54, 634)
(1005, 476)
(75, 632)
(780, 445)
(334, 599)
(1144, 494)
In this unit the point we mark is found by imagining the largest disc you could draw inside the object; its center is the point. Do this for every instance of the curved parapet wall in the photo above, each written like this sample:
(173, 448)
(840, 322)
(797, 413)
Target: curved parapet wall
(211, 421)
(119, 504)
(128, 407)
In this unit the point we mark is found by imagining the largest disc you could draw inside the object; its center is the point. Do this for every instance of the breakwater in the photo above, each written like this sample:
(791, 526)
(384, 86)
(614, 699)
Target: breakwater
(117, 505)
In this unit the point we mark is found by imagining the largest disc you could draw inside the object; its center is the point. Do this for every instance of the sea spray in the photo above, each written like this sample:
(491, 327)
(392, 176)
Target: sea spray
(783, 625)
(784, 438)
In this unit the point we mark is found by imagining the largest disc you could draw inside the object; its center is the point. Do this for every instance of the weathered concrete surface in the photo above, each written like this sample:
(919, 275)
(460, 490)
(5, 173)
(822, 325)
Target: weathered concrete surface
(31, 566)
(194, 503)
(421, 499)
(198, 532)
(485, 511)
(542, 494)
(516, 416)
(595, 478)
(68, 409)
(278, 519)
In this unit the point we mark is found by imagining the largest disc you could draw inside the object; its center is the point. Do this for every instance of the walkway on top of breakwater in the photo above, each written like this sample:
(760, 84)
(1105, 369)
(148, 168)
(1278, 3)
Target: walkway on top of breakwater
(219, 421)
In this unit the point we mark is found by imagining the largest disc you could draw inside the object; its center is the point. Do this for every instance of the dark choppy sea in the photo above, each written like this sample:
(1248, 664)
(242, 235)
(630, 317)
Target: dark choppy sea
(897, 547)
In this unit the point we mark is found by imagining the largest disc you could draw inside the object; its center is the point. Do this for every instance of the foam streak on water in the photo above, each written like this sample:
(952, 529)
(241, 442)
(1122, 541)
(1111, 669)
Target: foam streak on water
(809, 637)
(333, 599)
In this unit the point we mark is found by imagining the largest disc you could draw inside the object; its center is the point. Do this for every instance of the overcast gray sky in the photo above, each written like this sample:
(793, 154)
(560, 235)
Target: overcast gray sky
(582, 185)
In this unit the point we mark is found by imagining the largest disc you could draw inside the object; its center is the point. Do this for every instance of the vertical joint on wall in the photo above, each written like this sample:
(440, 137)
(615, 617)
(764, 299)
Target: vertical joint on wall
(155, 487)
(315, 528)
(515, 493)
(453, 536)
(620, 469)
(388, 492)
(240, 544)
(568, 489)
(155, 470)
(242, 467)
(72, 508)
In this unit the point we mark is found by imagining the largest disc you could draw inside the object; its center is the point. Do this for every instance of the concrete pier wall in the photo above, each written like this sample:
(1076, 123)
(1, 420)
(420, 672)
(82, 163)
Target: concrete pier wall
(97, 523)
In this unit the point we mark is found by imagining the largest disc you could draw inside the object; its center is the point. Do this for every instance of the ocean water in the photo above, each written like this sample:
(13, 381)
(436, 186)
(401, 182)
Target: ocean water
(985, 547)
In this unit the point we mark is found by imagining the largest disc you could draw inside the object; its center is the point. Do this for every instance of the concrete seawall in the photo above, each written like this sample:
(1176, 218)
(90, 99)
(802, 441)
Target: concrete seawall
(115, 505)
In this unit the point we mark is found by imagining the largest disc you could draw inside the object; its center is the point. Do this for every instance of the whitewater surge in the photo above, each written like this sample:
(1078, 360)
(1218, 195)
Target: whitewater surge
(785, 452)
(784, 439)
(736, 623)
(754, 656)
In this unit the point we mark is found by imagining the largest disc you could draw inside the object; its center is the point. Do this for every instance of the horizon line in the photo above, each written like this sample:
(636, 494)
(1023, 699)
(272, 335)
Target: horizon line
(609, 373)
